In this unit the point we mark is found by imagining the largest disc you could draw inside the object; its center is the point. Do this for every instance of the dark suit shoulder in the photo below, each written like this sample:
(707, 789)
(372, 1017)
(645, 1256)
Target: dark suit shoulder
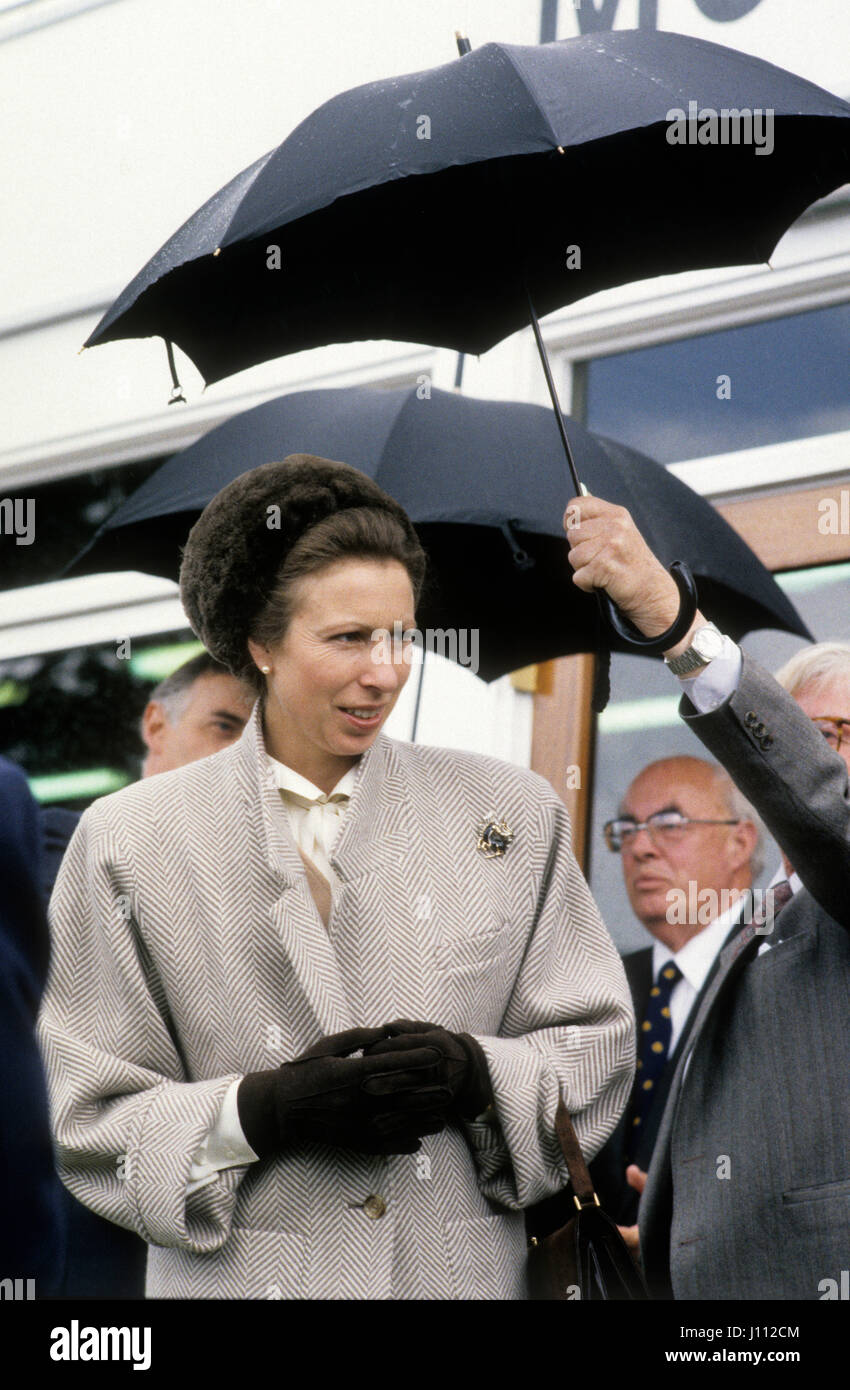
(638, 968)
(57, 827)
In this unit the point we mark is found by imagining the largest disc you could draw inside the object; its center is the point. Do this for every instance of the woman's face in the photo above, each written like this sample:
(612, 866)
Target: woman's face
(331, 685)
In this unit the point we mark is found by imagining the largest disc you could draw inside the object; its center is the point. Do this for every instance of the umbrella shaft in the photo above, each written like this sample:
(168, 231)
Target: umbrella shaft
(553, 392)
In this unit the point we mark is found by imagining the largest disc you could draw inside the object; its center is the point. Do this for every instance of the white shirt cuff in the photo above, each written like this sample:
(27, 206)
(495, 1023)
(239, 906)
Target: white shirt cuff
(224, 1147)
(718, 680)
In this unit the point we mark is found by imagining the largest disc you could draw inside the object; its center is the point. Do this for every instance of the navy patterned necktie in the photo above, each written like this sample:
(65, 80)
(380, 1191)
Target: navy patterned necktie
(653, 1052)
(775, 899)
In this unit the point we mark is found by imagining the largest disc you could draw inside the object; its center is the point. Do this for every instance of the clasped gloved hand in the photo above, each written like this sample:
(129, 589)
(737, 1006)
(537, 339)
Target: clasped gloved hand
(467, 1076)
(377, 1104)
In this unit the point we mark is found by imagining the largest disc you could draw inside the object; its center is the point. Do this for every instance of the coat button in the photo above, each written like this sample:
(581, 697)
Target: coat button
(750, 718)
(767, 741)
(374, 1206)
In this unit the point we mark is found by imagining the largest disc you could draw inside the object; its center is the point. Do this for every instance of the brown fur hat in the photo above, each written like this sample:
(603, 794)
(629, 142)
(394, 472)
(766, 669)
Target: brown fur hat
(236, 547)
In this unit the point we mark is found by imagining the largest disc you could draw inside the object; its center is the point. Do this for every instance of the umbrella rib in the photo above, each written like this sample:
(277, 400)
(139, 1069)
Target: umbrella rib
(525, 82)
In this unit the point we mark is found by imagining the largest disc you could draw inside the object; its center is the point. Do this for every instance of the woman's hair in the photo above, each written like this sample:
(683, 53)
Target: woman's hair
(245, 548)
(358, 533)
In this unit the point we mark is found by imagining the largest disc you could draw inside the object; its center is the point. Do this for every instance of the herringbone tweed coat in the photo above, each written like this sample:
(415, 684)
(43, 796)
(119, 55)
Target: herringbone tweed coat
(187, 951)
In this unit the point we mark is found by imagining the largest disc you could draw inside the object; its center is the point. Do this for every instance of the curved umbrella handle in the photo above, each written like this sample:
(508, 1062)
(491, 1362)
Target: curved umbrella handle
(654, 646)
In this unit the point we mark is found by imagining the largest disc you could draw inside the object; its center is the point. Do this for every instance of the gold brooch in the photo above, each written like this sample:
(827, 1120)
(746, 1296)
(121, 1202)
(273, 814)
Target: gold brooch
(494, 838)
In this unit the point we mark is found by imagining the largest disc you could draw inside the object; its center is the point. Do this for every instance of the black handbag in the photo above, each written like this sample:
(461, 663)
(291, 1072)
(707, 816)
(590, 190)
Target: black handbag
(587, 1258)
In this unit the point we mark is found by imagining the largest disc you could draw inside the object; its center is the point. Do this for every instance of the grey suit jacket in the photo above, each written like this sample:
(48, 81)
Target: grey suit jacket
(608, 1169)
(752, 1161)
(187, 950)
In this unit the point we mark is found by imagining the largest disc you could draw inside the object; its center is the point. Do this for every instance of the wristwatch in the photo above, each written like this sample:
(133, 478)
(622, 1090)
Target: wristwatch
(707, 643)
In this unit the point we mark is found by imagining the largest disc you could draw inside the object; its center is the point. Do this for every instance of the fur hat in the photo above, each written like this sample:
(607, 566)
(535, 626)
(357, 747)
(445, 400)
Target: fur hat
(239, 542)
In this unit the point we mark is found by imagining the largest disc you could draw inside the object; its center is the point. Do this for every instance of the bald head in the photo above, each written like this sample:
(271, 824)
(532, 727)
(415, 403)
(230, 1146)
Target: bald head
(658, 867)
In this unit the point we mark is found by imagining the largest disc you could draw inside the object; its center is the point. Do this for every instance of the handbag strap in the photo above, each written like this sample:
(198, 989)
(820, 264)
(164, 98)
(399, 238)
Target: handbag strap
(582, 1183)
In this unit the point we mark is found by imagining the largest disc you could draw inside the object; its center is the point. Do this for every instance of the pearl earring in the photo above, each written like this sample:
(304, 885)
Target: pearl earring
(265, 670)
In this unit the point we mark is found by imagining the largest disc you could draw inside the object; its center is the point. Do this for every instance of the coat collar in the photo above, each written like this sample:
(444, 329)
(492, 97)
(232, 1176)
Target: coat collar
(359, 843)
(300, 930)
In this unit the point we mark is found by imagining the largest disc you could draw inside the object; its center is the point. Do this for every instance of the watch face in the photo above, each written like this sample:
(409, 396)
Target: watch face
(708, 642)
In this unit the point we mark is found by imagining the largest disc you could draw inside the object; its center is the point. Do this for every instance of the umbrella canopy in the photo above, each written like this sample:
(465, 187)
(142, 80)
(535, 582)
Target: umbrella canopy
(485, 485)
(419, 207)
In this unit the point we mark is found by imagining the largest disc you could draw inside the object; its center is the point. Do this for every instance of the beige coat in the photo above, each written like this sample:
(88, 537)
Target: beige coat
(187, 950)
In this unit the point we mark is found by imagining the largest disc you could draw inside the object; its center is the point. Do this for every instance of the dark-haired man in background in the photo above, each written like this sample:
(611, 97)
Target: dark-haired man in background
(197, 710)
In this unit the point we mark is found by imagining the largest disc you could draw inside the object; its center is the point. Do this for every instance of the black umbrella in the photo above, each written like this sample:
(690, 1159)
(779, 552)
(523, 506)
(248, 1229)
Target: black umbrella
(483, 483)
(424, 207)
(449, 206)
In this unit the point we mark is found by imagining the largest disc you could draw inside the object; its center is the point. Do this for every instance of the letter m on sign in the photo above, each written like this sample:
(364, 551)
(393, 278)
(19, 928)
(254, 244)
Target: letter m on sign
(593, 18)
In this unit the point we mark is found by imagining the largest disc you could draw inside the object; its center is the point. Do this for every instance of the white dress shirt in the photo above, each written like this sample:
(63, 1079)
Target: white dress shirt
(315, 819)
(714, 683)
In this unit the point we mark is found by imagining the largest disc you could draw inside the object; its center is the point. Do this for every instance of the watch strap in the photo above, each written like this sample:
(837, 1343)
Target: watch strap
(692, 658)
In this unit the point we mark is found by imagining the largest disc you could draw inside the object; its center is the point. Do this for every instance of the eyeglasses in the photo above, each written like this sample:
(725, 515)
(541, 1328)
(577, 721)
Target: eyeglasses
(834, 728)
(664, 828)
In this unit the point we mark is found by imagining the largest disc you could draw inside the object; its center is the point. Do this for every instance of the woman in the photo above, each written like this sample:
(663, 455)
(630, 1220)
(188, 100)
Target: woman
(230, 934)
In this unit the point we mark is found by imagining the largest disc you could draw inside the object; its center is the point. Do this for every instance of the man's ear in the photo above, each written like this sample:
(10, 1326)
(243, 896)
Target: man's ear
(744, 839)
(154, 721)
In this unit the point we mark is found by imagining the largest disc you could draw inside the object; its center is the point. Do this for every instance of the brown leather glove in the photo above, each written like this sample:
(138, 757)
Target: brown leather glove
(378, 1105)
(467, 1076)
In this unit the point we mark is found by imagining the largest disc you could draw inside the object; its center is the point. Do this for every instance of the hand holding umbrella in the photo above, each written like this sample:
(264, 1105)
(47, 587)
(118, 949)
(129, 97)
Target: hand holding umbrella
(608, 553)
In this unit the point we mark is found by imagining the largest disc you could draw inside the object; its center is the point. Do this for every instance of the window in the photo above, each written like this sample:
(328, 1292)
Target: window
(714, 393)
(38, 541)
(70, 718)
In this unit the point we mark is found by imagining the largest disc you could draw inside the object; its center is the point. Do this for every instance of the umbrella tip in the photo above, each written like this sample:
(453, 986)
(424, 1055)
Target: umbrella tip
(217, 251)
(463, 44)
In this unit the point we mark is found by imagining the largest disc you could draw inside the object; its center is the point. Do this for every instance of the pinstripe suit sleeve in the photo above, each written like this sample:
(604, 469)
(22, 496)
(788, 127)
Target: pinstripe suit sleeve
(125, 1120)
(568, 1028)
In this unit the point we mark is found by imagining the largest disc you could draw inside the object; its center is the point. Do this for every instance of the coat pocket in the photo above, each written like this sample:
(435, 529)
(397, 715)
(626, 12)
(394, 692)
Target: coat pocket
(819, 1192)
(252, 1264)
(470, 954)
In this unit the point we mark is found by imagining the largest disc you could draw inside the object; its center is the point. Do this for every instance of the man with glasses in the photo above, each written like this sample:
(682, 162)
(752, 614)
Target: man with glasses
(690, 846)
(748, 1192)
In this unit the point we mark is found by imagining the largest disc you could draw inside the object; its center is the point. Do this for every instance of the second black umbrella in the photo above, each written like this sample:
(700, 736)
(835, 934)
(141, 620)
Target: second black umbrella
(484, 483)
